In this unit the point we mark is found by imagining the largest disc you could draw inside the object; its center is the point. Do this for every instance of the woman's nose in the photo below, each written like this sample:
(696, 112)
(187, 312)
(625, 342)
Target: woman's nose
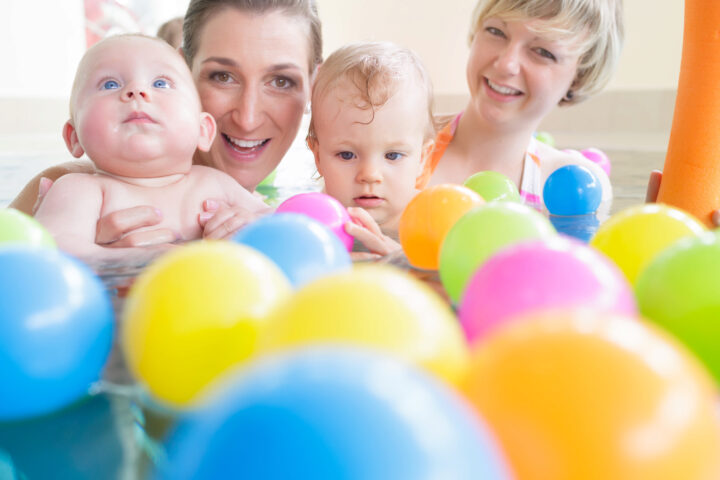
(508, 60)
(248, 112)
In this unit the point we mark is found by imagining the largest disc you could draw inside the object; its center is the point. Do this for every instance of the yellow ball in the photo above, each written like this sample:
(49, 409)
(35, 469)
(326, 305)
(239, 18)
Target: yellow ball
(376, 306)
(636, 235)
(195, 312)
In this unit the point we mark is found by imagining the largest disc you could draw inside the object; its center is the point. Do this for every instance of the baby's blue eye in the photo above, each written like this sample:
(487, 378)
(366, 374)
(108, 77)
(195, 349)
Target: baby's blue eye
(393, 155)
(110, 85)
(346, 155)
(161, 83)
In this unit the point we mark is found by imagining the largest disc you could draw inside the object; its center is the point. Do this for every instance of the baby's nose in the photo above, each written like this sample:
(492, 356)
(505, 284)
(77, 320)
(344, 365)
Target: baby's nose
(135, 92)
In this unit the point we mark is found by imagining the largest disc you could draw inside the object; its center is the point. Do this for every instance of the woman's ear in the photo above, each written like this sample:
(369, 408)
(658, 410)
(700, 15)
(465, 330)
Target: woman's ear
(208, 127)
(71, 140)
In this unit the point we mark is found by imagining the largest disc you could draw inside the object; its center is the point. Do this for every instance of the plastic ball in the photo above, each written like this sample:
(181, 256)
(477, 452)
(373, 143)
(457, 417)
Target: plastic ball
(599, 157)
(480, 233)
(636, 235)
(332, 413)
(427, 219)
(323, 208)
(302, 247)
(542, 274)
(493, 186)
(196, 311)
(19, 228)
(545, 137)
(581, 227)
(680, 291)
(375, 306)
(572, 190)
(56, 328)
(577, 394)
(269, 180)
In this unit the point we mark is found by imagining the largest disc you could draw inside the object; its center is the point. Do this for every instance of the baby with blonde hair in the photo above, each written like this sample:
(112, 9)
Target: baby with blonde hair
(371, 129)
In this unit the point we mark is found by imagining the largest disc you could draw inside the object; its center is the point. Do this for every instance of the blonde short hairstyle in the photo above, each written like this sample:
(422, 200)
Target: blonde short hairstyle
(598, 23)
(378, 70)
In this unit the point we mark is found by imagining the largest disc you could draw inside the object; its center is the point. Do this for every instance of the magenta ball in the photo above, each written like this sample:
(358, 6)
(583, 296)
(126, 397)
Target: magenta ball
(323, 208)
(558, 272)
(599, 157)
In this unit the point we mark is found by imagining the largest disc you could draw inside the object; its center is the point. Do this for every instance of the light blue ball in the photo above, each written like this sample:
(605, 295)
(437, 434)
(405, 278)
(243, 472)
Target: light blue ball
(333, 413)
(56, 327)
(301, 246)
(572, 190)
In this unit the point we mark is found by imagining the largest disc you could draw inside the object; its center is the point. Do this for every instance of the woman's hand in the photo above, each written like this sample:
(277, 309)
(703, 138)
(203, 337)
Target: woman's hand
(365, 229)
(654, 186)
(221, 221)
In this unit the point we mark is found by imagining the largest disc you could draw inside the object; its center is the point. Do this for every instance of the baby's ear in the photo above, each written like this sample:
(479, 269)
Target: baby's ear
(312, 144)
(71, 140)
(208, 128)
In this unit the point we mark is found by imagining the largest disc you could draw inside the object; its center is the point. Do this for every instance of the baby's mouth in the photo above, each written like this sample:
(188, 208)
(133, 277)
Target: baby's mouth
(245, 146)
(139, 117)
(367, 201)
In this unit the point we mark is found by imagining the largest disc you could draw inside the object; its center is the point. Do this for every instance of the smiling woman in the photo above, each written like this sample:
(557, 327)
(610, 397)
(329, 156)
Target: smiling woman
(525, 59)
(253, 63)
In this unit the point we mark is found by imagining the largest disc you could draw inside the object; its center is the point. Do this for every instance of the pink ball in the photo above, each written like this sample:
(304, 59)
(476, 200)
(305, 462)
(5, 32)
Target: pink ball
(323, 208)
(558, 272)
(599, 157)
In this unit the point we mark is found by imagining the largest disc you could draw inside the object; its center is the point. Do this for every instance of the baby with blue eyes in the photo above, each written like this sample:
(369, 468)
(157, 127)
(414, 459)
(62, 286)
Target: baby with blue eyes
(370, 132)
(136, 114)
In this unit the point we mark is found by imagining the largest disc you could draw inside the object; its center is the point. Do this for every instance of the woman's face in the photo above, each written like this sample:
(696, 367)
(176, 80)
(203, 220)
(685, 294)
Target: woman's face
(251, 71)
(516, 76)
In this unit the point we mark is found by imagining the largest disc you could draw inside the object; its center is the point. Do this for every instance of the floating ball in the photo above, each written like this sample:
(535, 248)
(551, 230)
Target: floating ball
(323, 208)
(427, 219)
(375, 306)
(480, 233)
(302, 247)
(680, 291)
(572, 190)
(575, 395)
(545, 137)
(56, 327)
(581, 227)
(196, 311)
(555, 272)
(19, 228)
(493, 186)
(636, 235)
(599, 157)
(333, 413)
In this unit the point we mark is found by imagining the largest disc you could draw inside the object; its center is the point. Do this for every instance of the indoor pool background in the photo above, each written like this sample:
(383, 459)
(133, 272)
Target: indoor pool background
(114, 433)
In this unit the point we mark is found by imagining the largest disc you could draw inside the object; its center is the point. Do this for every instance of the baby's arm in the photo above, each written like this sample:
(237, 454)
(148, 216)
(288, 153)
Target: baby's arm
(365, 230)
(232, 208)
(70, 212)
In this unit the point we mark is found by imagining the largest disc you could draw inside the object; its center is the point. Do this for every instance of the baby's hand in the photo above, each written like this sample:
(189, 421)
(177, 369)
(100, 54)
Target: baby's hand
(221, 221)
(366, 230)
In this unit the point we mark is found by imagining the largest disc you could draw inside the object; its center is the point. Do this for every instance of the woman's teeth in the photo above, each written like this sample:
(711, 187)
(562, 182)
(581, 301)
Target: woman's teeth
(503, 90)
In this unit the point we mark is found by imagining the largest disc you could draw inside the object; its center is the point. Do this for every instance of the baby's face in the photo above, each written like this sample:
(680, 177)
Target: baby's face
(371, 160)
(136, 110)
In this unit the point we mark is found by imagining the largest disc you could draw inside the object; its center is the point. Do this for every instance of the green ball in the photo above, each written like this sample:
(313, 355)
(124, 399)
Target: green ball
(545, 138)
(482, 231)
(269, 180)
(680, 291)
(17, 227)
(493, 186)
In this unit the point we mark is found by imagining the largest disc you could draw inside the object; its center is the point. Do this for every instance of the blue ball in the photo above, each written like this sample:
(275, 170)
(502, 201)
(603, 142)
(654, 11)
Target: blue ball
(572, 190)
(301, 246)
(56, 326)
(328, 413)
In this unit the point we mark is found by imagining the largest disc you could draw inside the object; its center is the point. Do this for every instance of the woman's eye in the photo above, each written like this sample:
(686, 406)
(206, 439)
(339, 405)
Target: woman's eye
(282, 83)
(222, 77)
(545, 53)
(110, 85)
(393, 155)
(346, 155)
(495, 31)
(161, 83)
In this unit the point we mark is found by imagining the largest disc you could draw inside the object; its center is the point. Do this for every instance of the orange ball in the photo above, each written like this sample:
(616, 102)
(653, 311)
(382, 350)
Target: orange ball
(583, 395)
(427, 219)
